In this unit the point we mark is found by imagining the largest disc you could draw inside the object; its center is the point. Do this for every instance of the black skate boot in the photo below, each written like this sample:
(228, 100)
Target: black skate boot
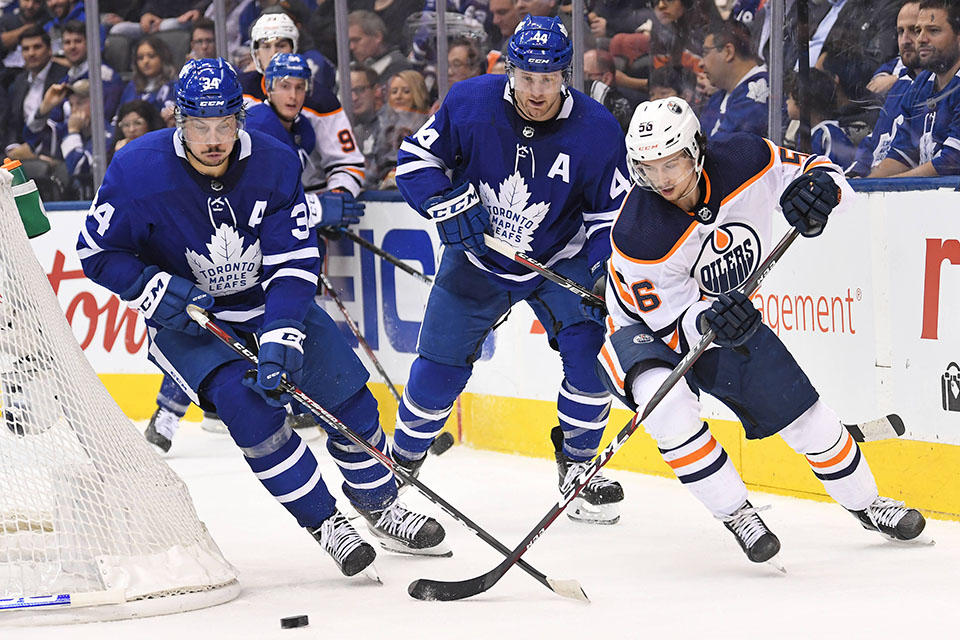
(412, 467)
(352, 553)
(404, 531)
(598, 503)
(756, 540)
(163, 424)
(892, 519)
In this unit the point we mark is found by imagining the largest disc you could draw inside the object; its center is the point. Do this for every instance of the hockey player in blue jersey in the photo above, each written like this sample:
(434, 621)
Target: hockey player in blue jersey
(540, 166)
(927, 142)
(213, 215)
(693, 230)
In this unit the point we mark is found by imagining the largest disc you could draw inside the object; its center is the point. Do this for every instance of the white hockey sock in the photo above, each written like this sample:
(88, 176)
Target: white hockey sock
(833, 455)
(704, 468)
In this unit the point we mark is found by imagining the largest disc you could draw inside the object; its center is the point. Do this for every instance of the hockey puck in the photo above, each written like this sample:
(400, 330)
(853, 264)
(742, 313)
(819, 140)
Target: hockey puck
(293, 622)
(443, 442)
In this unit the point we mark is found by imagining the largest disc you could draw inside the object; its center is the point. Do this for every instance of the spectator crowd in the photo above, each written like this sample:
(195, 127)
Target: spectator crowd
(878, 94)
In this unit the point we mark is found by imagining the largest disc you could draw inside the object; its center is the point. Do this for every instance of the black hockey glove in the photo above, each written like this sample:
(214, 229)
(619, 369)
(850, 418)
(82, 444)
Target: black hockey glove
(461, 218)
(163, 298)
(808, 201)
(732, 317)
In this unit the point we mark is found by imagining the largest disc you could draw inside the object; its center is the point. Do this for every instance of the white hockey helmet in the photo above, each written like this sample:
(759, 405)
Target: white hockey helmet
(273, 26)
(661, 128)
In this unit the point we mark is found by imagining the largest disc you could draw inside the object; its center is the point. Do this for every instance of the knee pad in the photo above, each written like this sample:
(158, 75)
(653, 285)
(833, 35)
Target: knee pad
(677, 417)
(432, 385)
(579, 345)
(360, 413)
(816, 430)
(250, 419)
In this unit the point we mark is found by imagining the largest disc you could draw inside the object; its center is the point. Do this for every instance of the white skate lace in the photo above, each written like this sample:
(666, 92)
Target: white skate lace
(166, 423)
(399, 522)
(747, 525)
(597, 482)
(338, 537)
(886, 512)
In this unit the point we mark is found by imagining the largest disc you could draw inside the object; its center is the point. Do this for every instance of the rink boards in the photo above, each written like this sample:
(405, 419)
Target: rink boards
(870, 309)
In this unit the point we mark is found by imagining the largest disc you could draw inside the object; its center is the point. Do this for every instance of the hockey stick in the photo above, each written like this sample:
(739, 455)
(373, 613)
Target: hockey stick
(425, 589)
(369, 246)
(566, 588)
(507, 251)
(356, 332)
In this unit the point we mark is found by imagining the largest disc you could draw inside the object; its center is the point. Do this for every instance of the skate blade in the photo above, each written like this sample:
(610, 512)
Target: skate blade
(441, 550)
(922, 540)
(371, 573)
(582, 511)
(776, 564)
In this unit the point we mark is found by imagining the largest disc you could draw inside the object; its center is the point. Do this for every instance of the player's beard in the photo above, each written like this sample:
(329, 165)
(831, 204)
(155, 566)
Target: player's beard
(940, 62)
(212, 148)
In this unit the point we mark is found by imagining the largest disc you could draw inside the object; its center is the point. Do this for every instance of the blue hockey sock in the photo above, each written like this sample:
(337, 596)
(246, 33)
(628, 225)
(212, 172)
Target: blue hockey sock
(367, 483)
(172, 398)
(583, 417)
(426, 403)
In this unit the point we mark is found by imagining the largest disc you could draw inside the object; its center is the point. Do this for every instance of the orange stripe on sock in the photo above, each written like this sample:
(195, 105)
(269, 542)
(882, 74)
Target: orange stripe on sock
(835, 459)
(690, 458)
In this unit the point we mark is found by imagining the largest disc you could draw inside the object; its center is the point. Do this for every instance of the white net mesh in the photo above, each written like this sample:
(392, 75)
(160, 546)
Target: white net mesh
(85, 503)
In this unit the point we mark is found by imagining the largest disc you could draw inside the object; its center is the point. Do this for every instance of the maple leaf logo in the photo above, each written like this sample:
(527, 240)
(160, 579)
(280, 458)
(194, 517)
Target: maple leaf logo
(230, 268)
(512, 219)
(758, 90)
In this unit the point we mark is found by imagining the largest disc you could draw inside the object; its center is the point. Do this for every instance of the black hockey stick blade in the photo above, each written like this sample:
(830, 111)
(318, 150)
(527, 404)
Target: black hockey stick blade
(426, 589)
(885, 428)
(442, 444)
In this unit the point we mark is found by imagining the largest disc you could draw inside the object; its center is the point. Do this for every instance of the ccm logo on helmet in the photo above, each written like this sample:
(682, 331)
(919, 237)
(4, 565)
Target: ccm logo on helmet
(211, 103)
(538, 60)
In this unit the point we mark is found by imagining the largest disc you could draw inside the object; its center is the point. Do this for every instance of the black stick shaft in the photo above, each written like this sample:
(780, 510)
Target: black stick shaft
(507, 251)
(241, 349)
(392, 259)
(356, 332)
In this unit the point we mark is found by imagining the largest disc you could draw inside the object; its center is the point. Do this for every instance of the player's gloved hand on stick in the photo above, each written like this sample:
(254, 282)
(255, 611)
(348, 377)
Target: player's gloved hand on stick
(733, 317)
(334, 209)
(589, 310)
(163, 298)
(461, 218)
(281, 353)
(808, 201)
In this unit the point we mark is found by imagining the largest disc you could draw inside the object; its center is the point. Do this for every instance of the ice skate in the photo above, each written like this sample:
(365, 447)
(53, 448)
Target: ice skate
(893, 520)
(599, 501)
(212, 423)
(404, 531)
(753, 536)
(410, 466)
(163, 424)
(352, 553)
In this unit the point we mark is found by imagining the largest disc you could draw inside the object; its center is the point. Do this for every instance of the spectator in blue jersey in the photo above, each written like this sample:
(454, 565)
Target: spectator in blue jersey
(927, 142)
(827, 137)
(541, 167)
(76, 141)
(903, 69)
(62, 12)
(154, 77)
(731, 66)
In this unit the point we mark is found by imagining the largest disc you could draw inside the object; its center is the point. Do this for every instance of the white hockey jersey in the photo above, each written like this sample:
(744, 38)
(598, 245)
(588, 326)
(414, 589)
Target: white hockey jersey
(667, 264)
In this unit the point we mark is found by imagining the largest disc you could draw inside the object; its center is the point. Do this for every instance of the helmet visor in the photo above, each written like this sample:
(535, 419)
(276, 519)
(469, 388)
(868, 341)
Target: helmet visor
(210, 131)
(665, 175)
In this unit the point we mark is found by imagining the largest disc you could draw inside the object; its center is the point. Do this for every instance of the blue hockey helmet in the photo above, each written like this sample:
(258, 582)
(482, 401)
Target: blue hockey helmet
(541, 45)
(287, 65)
(209, 88)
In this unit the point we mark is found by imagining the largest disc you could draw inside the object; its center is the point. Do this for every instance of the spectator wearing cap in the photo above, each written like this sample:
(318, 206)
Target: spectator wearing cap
(28, 13)
(369, 46)
(27, 91)
(76, 141)
(599, 80)
(731, 66)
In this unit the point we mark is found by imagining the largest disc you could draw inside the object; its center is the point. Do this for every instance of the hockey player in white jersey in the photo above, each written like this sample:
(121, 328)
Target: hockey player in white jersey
(692, 230)
(214, 215)
(542, 167)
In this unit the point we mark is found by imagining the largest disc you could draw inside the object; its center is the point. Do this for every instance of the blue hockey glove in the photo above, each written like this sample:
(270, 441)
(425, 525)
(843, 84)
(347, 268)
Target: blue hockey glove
(334, 209)
(591, 311)
(732, 317)
(808, 201)
(461, 218)
(281, 353)
(163, 298)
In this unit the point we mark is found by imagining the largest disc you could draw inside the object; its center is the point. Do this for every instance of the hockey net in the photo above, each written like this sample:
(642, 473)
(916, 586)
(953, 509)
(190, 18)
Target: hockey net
(89, 514)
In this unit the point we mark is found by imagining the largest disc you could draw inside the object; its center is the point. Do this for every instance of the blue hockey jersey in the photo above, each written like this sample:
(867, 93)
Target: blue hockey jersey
(244, 238)
(930, 131)
(551, 188)
(828, 139)
(875, 147)
(744, 108)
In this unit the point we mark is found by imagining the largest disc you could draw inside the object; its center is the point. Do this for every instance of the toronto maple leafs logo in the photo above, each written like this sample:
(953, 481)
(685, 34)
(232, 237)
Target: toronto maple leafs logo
(230, 267)
(758, 90)
(513, 219)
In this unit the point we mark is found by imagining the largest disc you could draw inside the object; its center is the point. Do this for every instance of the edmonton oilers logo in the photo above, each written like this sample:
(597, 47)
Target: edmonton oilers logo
(728, 256)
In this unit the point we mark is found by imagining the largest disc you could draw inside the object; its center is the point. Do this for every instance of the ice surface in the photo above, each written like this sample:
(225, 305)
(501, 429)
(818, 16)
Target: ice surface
(667, 569)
